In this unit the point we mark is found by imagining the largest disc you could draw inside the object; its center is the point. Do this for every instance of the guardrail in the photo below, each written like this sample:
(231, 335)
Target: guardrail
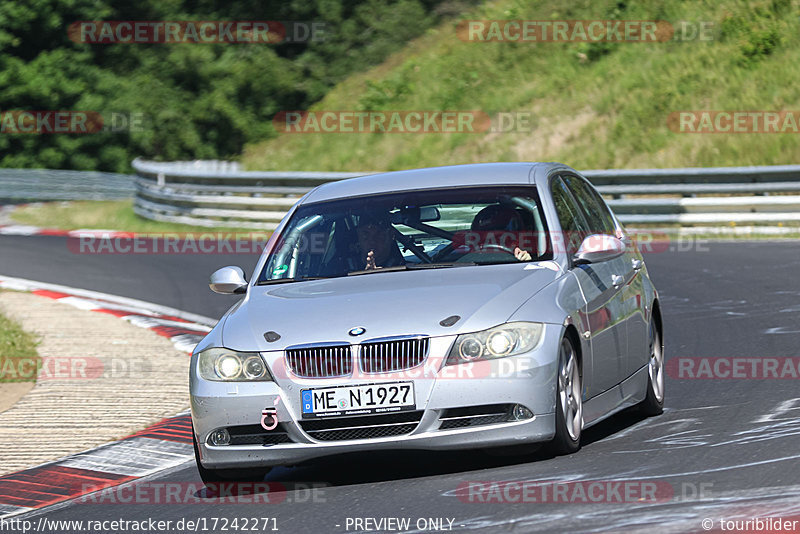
(220, 194)
(33, 185)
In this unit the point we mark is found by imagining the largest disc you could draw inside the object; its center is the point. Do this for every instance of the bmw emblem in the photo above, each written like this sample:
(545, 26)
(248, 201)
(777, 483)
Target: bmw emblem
(357, 331)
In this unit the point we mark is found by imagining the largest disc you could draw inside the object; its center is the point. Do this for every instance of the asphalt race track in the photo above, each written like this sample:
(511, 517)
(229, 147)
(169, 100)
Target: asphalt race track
(180, 281)
(724, 447)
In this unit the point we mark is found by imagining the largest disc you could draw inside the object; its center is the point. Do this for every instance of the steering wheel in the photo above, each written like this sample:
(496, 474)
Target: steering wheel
(485, 247)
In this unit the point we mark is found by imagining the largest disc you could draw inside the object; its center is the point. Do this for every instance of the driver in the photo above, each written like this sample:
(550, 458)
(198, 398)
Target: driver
(376, 242)
(498, 218)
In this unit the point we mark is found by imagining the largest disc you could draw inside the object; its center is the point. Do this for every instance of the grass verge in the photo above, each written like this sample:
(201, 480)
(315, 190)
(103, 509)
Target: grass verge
(103, 215)
(19, 361)
(593, 105)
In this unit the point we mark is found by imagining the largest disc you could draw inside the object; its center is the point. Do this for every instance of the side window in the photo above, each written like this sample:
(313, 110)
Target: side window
(597, 214)
(572, 222)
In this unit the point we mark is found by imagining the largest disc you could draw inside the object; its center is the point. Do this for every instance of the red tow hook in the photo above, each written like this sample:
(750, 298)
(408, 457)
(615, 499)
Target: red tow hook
(269, 418)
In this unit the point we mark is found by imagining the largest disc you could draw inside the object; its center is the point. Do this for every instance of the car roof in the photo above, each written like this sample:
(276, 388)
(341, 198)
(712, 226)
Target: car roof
(433, 177)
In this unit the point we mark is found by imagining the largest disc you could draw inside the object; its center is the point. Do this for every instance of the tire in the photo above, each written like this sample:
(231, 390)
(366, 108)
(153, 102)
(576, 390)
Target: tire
(212, 477)
(653, 403)
(569, 403)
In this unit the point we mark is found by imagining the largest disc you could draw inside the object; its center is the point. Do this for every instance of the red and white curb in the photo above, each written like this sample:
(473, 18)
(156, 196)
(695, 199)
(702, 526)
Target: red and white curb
(161, 446)
(22, 229)
(182, 328)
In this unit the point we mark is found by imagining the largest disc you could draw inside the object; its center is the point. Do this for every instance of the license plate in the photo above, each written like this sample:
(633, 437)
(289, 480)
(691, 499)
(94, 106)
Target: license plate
(358, 400)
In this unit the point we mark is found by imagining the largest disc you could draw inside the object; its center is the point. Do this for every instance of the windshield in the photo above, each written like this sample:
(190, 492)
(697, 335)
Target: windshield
(410, 230)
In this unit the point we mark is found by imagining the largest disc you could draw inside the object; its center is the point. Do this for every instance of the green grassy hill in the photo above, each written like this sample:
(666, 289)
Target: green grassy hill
(598, 105)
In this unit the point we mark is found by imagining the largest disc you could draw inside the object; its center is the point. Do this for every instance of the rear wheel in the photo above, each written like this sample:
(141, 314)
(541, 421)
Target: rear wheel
(653, 403)
(212, 477)
(569, 403)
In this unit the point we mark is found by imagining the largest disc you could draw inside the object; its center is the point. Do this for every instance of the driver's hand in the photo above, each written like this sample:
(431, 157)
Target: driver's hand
(522, 255)
(370, 261)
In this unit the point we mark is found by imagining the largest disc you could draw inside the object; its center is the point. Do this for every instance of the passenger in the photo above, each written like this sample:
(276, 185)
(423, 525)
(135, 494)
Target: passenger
(498, 218)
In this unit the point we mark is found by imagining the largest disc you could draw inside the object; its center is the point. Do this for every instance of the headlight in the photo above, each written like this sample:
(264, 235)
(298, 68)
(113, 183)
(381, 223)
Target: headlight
(228, 365)
(498, 342)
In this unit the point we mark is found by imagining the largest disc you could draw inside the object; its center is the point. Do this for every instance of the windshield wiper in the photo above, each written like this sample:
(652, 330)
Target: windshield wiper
(503, 262)
(288, 280)
(403, 267)
(410, 267)
(440, 265)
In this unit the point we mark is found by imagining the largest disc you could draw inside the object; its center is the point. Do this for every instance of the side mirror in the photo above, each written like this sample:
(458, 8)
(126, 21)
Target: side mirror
(598, 248)
(228, 281)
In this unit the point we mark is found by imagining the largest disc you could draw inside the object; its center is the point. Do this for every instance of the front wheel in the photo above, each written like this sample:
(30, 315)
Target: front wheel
(213, 477)
(569, 403)
(653, 403)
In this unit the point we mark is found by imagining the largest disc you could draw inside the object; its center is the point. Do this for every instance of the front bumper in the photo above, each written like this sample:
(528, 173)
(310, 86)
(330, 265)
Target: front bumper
(527, 379)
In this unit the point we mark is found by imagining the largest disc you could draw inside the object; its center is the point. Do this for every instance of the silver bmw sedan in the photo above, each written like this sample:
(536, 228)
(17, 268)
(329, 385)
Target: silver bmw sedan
(471, 306)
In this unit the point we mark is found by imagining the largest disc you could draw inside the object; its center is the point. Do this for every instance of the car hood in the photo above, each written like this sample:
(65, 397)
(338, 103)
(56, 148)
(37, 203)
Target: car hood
(384, 304)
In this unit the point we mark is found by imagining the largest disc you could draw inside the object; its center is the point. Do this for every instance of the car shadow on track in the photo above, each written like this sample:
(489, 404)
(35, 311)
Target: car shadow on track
(379, 466)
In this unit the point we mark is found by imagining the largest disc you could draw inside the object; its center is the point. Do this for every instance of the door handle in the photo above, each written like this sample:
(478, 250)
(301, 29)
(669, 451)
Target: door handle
(616, 280)
(637, 265)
